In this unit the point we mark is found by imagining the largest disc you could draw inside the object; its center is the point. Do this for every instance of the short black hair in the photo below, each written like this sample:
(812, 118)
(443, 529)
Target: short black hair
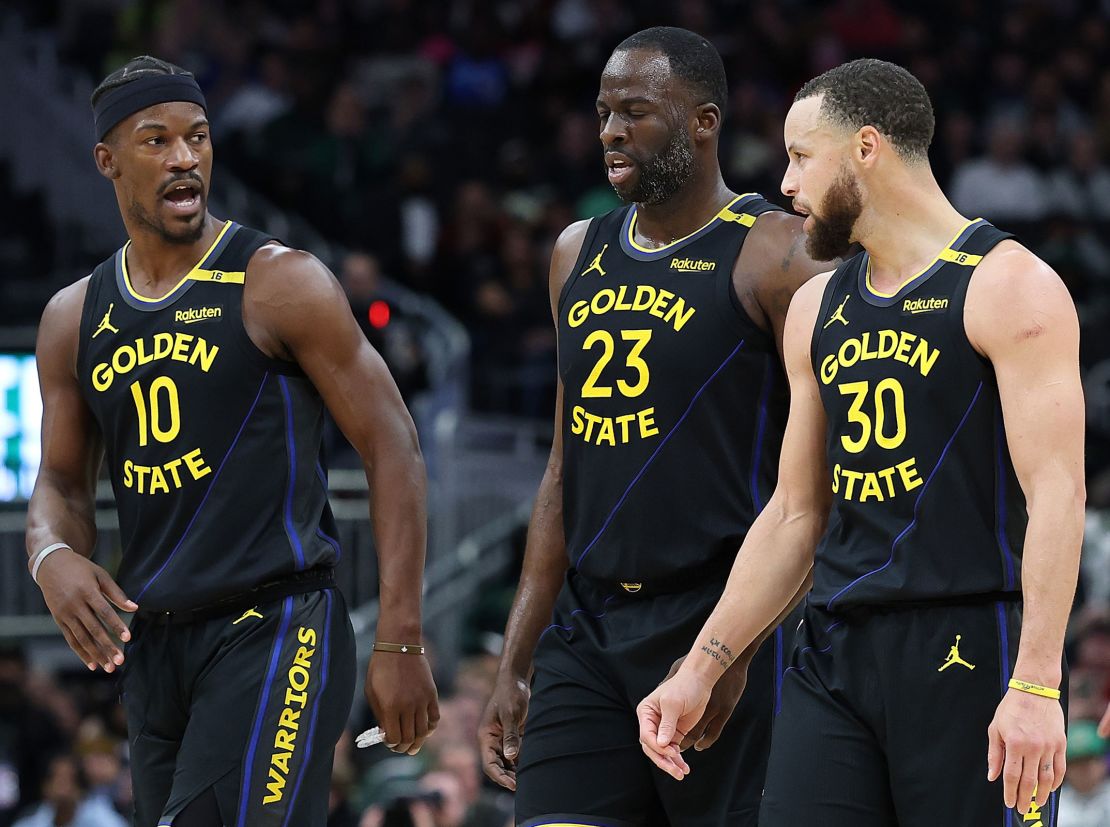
(880, 94)
(693, 59)
(135, 68)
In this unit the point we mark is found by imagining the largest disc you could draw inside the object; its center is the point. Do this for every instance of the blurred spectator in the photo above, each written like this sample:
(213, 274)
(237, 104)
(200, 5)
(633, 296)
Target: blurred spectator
(1081, 187)
(1085, 796)
(28, 735)
(66, 800)
(1001, 186)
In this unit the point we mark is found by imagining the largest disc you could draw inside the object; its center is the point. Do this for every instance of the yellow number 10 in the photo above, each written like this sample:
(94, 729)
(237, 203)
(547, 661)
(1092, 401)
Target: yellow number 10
(162, 434)
(889, 387)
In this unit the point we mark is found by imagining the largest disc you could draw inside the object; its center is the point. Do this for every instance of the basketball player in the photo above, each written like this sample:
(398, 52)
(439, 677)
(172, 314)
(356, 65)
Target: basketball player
(935, 402)
(670, 412)
(198, 360)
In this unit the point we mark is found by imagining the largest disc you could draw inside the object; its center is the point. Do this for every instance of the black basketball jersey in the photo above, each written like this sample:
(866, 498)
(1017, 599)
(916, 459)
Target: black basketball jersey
(214, 449)
(674, 400)
(926, 504)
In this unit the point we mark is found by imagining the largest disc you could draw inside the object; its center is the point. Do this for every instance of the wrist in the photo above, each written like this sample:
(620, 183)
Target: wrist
(1039, 674)
(399, 630)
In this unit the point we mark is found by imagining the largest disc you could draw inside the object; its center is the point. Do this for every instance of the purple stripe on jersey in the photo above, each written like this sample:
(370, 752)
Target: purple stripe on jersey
(655, 453)
(917, 503)
(1000, 512)
(260, 714)
(291, 448)
(810, 648)
(757, 454)
(604, 611)
(324, 667)
(211, 485)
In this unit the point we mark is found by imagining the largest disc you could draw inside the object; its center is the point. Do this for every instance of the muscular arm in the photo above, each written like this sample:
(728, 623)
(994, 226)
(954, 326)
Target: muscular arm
(295, 309)
(545, 565)
(777, 553)
(1032, 340)
(62, 504)
(774, 562)
(61, 509)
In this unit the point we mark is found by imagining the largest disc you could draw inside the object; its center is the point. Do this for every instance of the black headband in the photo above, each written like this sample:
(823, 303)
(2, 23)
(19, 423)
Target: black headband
(124, 101)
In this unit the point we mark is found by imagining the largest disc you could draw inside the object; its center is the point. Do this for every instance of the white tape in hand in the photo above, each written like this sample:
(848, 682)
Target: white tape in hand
(371, 737)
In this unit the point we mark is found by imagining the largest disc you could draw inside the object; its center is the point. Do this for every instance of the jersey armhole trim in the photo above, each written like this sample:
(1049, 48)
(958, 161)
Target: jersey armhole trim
(576, 272)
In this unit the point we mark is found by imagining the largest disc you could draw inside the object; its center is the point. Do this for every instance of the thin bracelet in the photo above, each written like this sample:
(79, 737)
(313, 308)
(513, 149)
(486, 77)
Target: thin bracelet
(1035, 689)
(42, 555)
(399, 648)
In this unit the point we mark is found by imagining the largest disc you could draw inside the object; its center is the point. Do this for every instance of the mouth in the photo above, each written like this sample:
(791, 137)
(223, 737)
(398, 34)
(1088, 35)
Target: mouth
(183, 198)
(619, 167)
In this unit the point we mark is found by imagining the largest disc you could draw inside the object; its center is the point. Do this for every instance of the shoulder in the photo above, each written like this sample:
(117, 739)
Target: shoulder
(568, 246)
(1015, 296)
(60, 326)
(67, 303)
(808, 298)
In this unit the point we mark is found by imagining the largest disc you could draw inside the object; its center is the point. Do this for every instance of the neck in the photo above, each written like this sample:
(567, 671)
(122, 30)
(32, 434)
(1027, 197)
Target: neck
(155, 264)
(906, 223)
(686, 211)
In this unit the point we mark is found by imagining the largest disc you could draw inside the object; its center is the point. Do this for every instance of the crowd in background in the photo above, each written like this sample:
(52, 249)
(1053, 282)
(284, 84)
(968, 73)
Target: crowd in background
(449, 143)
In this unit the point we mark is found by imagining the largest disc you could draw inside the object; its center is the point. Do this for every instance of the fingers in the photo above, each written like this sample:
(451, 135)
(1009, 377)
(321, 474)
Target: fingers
(712, 733)
(91, 652)
(110, 655)
(1104, 724)
(408, 731)
(510, 738)
(420, 721)
(995, 753)
(1046, 777)
(77, 648)
(666, 756)
(1060, 767)
(1012, 769)
(1027, 786)
(114, 593)
(392, 726)
(499, 770)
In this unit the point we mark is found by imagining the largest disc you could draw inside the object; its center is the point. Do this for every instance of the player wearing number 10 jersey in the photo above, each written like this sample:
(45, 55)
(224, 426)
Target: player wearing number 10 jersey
(670, 415)
(198, 360)
(932, 476)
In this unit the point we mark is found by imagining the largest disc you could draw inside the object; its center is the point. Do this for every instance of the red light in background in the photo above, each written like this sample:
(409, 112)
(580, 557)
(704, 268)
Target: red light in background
(379, 314)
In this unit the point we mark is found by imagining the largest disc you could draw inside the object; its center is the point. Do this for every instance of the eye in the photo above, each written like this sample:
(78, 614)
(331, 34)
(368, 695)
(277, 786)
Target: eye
(157, 140)
(200, 137)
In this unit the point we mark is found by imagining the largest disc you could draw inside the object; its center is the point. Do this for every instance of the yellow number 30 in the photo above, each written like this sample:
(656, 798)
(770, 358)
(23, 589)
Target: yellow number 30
(634, 360)
(161, 431)
(891, 387)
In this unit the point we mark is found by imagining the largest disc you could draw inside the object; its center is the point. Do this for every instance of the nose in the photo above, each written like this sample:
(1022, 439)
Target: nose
(789, 185)
(182, 156)
(613, 132)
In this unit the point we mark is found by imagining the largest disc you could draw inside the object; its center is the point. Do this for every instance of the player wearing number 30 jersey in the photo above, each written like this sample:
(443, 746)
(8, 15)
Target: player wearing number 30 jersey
(931, 476)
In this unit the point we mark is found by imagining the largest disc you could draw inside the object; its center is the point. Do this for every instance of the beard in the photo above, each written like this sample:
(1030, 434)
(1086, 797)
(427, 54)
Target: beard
(831, 236)
(663, 174)
(183, 234)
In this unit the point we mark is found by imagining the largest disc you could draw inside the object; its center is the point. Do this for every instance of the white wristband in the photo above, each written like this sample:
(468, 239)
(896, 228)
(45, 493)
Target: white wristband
(42, 555)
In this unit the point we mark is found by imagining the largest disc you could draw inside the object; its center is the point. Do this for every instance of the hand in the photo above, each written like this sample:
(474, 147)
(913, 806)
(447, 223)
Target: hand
(402, 694)
(722, 701)
(667, 715)
(499, 731)
(80, 595)
(1104, 724)
(1027, 745)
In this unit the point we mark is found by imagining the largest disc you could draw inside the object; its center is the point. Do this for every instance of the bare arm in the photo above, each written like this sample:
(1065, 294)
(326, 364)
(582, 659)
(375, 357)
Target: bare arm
(62, 504)
(777, 554)
(545, 566)
(1032, 340)
(295, 309)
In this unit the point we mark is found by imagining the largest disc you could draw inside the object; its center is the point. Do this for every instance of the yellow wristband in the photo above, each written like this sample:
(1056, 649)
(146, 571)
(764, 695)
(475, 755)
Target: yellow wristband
(399, 648)
(1034, 689)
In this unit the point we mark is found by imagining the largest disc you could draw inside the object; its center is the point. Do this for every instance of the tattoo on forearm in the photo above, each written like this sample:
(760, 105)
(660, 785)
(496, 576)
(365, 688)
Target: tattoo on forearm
(719, 652)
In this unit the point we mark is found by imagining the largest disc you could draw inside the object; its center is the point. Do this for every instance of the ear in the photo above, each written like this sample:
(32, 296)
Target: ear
(105, 161)
(867, 144)
(707, 121)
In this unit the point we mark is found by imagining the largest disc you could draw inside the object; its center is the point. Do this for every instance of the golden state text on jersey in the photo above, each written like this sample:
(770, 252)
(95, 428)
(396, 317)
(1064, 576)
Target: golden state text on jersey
(925, 500)
(212, 447)
(672, 398)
